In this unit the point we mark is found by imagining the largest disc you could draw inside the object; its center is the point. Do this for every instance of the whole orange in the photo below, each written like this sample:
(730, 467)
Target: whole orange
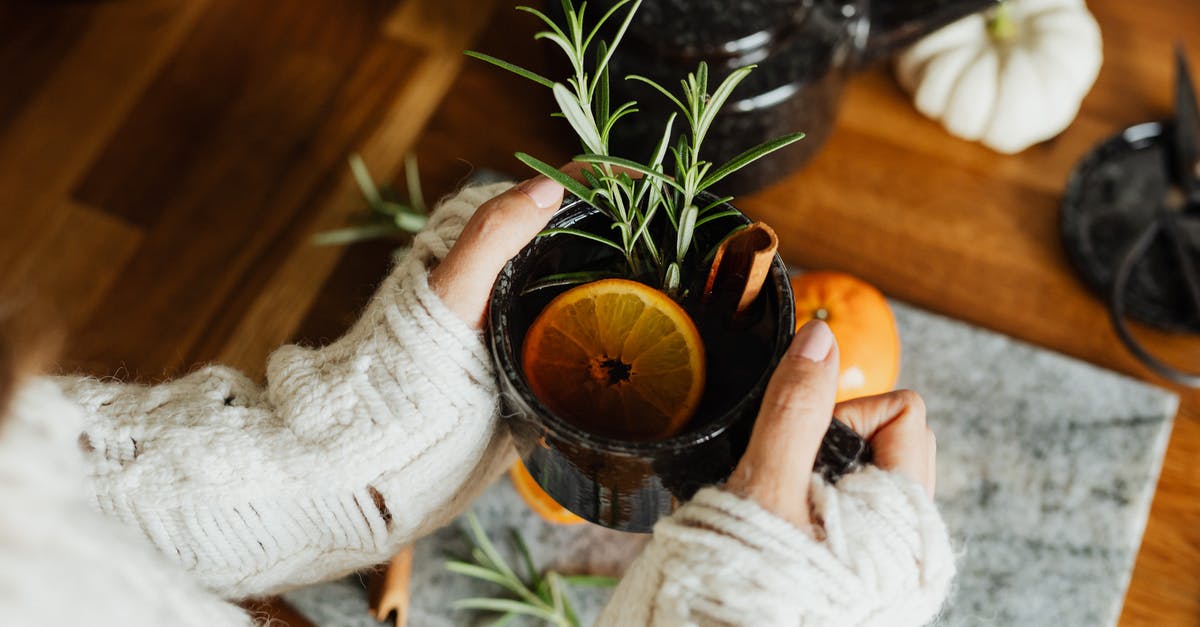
(863, 324)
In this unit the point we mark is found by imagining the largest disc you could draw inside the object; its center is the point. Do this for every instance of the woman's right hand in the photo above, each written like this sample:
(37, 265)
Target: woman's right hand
(776, 470)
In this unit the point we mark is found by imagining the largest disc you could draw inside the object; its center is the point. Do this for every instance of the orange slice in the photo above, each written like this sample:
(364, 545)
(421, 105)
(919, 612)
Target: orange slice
(616, 358)
(536, 498)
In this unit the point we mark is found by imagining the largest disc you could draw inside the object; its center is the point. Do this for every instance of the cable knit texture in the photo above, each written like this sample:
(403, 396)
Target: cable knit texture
(881, 556)
(354, 450)
(350, 452)
(61, 561)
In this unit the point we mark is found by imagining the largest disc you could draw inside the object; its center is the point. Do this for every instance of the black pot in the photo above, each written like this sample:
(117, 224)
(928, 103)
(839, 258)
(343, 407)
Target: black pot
(628, 485)
(804, 50)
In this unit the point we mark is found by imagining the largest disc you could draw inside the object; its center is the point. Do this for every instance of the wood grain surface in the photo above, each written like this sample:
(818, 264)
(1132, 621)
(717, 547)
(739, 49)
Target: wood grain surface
(163, 164)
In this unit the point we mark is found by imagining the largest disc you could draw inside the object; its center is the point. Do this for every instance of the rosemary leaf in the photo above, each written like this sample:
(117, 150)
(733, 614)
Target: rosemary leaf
(353, 234)
(484, 544)
(660, 151)
(591, 581)
(365, 183)
(748, 157)
(567, 278)
(412, 176)
(526, 558)
(716, 216)
(583, 234)
(714, 204)
(556, 592)
(718, 97)
(662, 90)
(561, 602)
(620, 32)
(581, 121)
(480, 572)
(622, 111)
(573, 186)
(515, 69)
(480, 557)
(559, 40)
(507, 605)
(671, 280)
(410, 222)
(390, 208)
(632, 165)
(601, 89)
(551, 24)
(687, 227)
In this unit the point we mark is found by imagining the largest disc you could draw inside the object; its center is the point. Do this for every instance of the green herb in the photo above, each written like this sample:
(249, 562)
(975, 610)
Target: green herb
(670, 186)
(388, 218)
(541, 595)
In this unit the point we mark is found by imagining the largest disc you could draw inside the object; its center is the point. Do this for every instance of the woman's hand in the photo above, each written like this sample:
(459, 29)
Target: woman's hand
(776, 469)
(496, 233)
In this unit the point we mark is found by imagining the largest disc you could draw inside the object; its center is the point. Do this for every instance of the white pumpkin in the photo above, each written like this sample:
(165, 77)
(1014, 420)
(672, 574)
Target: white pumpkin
(1009, 77)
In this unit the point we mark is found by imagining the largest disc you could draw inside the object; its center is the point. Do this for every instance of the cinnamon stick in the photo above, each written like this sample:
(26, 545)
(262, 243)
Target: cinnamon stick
(741, 266)
(389, 590)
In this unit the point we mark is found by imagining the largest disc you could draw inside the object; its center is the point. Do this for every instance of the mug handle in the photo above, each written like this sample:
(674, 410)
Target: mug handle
(842, 452)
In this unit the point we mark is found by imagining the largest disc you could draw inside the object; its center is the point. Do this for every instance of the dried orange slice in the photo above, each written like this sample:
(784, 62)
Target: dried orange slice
(616, 358)
(536, 498)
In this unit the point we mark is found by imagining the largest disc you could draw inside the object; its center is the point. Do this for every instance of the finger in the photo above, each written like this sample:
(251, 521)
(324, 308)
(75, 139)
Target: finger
(777, 466)
(500, 228)
(869, 414)
(504, 225)
(894, 423)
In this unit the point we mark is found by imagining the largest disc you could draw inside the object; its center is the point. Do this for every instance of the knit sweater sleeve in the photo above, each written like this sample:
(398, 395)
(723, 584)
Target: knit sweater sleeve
(347, 454)
(880, 555)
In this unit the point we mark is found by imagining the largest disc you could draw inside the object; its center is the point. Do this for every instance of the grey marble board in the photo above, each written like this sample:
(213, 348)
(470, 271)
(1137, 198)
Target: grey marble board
(1046, 470)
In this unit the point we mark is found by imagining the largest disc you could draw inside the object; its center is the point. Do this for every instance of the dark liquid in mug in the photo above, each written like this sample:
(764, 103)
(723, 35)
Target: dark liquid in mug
(736, 352)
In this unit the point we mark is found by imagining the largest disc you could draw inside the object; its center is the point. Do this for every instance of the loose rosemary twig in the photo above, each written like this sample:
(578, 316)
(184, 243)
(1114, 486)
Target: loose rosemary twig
(388, 218)
(540, 595)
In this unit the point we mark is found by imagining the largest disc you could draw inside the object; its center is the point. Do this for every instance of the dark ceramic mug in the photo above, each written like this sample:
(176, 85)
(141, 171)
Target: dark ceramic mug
(629, 485)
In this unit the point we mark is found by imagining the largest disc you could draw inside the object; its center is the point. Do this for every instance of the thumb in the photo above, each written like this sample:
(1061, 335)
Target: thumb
(777, 467)
(502, 226)
(497, 231)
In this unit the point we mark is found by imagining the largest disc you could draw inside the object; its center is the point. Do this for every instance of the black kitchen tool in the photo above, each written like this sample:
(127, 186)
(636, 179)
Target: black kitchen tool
(1131, 225)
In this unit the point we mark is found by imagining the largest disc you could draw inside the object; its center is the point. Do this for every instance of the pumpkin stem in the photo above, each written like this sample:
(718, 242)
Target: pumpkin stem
(1000, 23)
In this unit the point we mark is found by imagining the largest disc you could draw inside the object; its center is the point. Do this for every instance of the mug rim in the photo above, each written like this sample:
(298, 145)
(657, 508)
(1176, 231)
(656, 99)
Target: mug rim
(504, 353)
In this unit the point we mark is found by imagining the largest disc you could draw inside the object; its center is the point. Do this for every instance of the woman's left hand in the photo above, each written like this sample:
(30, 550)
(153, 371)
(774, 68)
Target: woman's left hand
(496, 233)
(776, 469)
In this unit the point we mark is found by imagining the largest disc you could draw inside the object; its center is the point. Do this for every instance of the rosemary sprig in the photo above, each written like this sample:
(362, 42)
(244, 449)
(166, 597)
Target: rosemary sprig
(541, 595)
(667, 186)
(387, 218)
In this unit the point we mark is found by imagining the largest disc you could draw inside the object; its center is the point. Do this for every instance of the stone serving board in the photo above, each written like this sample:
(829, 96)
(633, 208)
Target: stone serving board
(1046, 470)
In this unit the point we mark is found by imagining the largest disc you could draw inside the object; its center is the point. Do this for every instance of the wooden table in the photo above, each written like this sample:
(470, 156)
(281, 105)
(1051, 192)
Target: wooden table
(163, 164)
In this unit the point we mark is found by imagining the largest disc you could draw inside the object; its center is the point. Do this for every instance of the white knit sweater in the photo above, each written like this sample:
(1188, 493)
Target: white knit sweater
(356, 449)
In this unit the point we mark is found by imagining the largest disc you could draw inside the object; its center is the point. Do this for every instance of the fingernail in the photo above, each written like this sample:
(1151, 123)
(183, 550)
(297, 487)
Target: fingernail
(544, 192)
(814, 340)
